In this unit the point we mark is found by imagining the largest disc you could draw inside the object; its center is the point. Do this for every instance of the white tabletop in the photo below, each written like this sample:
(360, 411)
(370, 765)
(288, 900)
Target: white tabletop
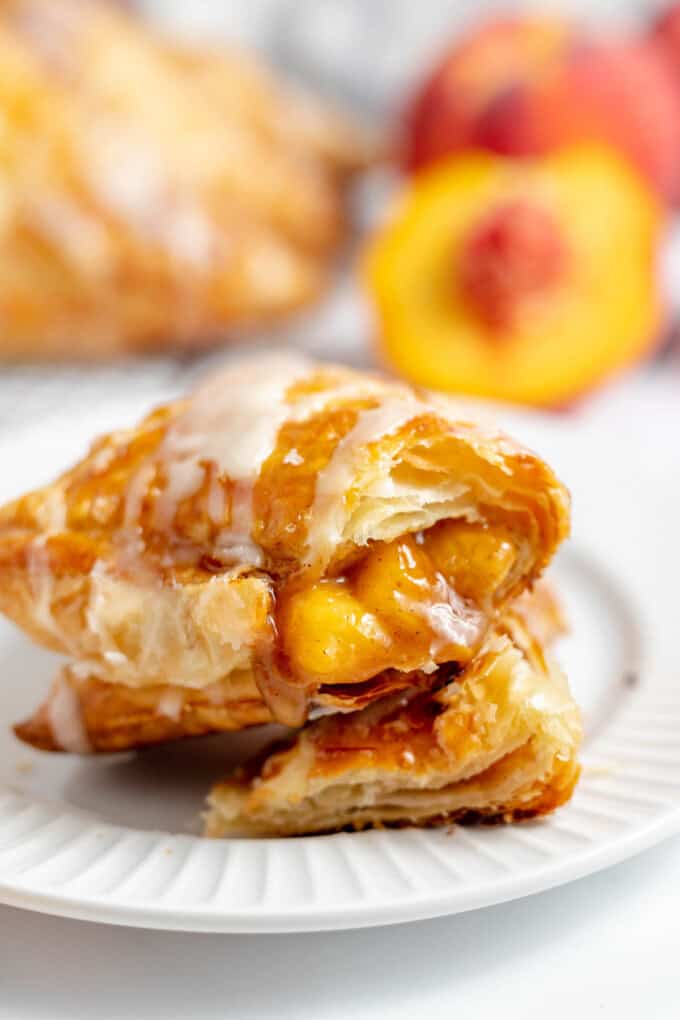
(606, 946)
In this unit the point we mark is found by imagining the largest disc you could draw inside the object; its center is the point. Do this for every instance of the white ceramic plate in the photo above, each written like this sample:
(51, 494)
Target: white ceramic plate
(110, 839)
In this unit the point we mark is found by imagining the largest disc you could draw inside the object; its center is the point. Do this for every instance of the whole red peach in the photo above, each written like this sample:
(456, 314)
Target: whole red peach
(665, 30)
(665, 35)
(525, 87)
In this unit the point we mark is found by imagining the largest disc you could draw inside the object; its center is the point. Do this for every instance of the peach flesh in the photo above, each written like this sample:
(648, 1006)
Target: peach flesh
(515, 254)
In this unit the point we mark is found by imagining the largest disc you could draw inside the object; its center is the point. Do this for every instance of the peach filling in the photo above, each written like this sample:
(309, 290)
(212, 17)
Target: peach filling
(408, 604)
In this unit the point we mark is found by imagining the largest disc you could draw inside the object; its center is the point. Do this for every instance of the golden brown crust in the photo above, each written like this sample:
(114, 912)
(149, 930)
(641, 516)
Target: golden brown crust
(160, 207)
(118, 718)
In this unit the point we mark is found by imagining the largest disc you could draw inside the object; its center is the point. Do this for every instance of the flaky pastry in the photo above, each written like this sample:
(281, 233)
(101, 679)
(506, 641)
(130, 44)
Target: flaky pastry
(497, 743)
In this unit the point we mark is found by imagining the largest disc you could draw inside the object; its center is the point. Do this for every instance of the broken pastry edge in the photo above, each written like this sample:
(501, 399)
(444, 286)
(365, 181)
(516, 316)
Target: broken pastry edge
(525, 772)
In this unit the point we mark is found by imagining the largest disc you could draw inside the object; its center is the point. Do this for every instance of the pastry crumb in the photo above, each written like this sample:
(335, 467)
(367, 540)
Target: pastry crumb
(601, 771)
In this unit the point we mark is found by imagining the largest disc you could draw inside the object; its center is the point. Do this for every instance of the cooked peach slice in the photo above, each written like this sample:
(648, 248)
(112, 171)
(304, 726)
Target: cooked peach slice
(527, 281)
(394, 581)
(476, 559)
(327, 633)
(403, 604)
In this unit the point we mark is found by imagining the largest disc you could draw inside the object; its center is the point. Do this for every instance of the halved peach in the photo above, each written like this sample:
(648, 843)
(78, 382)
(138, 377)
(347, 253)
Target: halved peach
(526, 281)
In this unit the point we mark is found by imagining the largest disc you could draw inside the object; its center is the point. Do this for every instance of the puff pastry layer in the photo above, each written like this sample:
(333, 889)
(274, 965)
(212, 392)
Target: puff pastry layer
(499, 743)
(324, 532)
(153, 193)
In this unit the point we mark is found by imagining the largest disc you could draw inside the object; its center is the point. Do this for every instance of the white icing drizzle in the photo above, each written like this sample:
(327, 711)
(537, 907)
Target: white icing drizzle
(328, 512)
(450, 620)
(52, 513)
(135, 493)
(65, 717)
(216, 501)
(293, 458)
(232, 422)
(79, 236)
(171, 703)
(320, 711)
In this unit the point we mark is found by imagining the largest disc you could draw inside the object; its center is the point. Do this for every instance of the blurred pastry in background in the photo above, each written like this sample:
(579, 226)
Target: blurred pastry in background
(154, 194)
(521, 280)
